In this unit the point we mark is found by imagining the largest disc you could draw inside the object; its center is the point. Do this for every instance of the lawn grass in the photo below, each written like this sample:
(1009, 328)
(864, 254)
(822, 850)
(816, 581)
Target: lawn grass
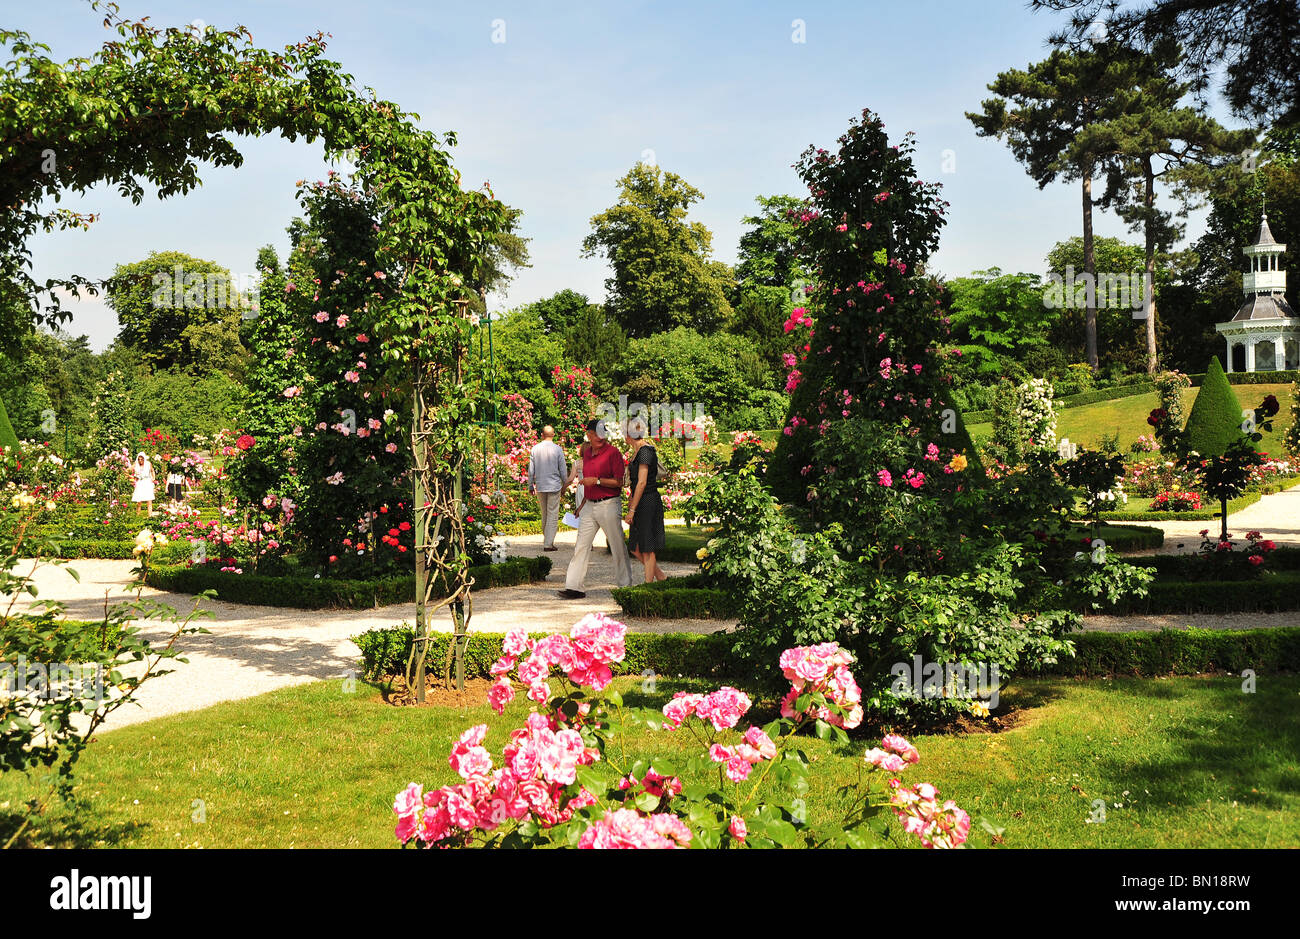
(1128, 417)
(1181, 762)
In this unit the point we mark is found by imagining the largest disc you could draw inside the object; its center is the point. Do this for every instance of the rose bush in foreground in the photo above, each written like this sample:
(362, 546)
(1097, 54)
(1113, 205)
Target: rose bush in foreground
(564, 778)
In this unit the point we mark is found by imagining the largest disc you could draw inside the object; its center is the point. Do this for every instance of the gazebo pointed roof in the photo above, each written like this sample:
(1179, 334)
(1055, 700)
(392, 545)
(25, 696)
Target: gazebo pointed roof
(1265, 237)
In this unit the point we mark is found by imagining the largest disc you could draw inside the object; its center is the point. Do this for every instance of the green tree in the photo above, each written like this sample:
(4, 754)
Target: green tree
(718, 371)
(662, 275)
(1121, 264)
(1216, 416)
(1210, 291)
(770, 279)
(1251, 46)
(596, 342)
(179, 311)
(768, 253)
(1054, 116)
(559, 311)
(1004, 313)
(1153, 127)
(506, 252)
(524, 355)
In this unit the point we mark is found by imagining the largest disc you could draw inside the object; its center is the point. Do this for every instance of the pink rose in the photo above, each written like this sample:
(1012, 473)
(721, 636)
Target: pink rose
(737, 828)
(501, 694)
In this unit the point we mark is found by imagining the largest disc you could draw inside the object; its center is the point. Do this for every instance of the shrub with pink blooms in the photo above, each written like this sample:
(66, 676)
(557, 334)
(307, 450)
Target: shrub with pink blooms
(563, 779)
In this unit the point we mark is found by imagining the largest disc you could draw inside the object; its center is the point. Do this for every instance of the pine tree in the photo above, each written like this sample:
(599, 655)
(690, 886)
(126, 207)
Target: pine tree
(1216, 418)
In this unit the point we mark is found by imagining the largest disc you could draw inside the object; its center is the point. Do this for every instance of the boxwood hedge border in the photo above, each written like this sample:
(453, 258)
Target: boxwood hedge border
(312, 593)
(1146, 654)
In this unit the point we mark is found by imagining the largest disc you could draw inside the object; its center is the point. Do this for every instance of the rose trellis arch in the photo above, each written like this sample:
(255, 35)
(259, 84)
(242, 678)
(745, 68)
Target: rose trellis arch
(155, 103)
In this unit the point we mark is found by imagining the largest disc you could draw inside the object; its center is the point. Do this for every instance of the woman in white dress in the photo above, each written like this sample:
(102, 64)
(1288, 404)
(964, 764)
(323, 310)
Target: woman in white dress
(143, 492)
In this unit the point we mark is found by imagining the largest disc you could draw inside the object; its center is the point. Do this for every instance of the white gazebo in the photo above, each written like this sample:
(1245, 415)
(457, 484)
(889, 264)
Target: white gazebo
(1264, 336)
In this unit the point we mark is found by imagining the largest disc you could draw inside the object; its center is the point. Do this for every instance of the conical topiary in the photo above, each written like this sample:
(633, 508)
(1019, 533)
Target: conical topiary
(7, 436)
(1216, 416)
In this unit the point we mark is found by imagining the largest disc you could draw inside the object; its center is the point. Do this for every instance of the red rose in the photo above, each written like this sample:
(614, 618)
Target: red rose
(245, 442)
(405, 526)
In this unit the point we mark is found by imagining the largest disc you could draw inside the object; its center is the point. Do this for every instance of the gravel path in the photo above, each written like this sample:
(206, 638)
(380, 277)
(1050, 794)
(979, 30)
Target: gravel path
(1276, 517)
(255, 649)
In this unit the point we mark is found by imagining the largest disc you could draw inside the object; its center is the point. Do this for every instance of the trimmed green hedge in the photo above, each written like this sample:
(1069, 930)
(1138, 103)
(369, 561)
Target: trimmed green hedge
(1252, 378)
(1127, 537)
(312, 593)
(1181, 652)
(117, 550)
(1105, 394)
(1097, 654)
(675, 598)
(1075, 400)
(385, 652)
(1274, 594)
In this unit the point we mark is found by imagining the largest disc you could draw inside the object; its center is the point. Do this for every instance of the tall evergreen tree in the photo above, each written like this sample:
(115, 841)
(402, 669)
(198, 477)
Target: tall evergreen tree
(1053, 116)
(1251, 46)
(1151, 125)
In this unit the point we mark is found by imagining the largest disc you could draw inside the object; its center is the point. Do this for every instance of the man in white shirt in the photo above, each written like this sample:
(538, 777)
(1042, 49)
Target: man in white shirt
(547, 473)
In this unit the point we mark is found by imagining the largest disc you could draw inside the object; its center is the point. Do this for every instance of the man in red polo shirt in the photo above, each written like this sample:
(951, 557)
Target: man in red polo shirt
(602, 481)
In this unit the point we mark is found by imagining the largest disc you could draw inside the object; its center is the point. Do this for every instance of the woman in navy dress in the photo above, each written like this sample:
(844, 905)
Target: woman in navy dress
(645, 510)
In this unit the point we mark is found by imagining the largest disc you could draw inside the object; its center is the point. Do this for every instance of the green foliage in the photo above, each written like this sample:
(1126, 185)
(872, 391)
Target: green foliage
(110, 420)
(1211, 289)
(1009, 431)
(1096, 654)
(68, 677)
(1216, 418)
(594, 341)
(7, 436)
(574, 404)
(278, 392)
(179, 312)
(1269, 594)
(182, 404)
(1001, 312)
(49, 380)
(662, 275)
(525, 354)
(768, 255)
(869, 227)
(719, 371)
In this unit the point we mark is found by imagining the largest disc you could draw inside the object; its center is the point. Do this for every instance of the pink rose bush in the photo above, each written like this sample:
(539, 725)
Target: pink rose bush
(563, 778)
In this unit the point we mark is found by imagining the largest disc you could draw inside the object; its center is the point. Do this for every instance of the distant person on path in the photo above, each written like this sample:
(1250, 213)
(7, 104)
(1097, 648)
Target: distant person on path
(143, 492)
(645, 508)
(547, 472)
(602, 481)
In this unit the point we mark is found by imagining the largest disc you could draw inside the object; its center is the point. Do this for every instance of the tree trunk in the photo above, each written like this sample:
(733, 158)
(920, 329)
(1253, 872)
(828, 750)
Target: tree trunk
(1090, 270)
(1149, 281)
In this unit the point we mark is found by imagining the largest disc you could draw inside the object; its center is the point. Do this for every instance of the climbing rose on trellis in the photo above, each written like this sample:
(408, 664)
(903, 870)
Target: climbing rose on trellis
(574, 403)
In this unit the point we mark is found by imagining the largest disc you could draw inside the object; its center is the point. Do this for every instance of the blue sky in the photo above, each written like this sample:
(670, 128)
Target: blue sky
(577, 93)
